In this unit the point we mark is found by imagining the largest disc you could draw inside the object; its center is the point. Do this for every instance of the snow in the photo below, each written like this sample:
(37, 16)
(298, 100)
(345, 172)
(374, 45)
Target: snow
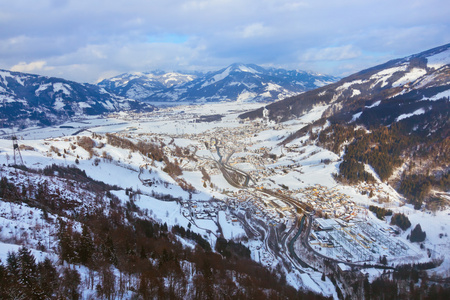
(411, 76)
(311, 116)
(434, 224)
(273, 87)
(137, 92)
(250, 85)
(3, 76)
(439, 96)
(391, 71)
(384, 75)
(439, 60)
(19, 80)
(9, 99)
(42, 88)
(65, 88)
(344, 267)
(304, 164)
(315, 284)
(246, 96)
(103, 91)
(247, 69)
(110, 106)
(374, 105)
(320, 83)
(217, 77)
(420, 111)
(231, 230)
(161, 211)
(356, 116)
(348, 84)
(59, 103)
(167, 79)
(372, 273)
(40, 256)
(355, 93)
(83, 105)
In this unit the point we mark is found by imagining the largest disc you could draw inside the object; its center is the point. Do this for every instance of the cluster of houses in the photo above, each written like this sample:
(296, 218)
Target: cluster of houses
(373, 190)
(329, 203)
(271, 209)
(207, 209)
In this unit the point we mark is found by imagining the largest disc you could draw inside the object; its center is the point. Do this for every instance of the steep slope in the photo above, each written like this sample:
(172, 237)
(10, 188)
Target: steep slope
(27, 99)
(418, 77)
(237, 82)
(404, 109)
(96, 217)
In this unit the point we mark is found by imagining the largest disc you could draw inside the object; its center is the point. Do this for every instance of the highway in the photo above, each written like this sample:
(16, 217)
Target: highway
(240, 179)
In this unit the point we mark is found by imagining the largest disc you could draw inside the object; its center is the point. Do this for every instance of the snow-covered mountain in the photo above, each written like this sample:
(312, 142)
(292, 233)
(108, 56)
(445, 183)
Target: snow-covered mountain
(383, 94)
(391, 122)
(141, 86)
(27, 99)
(237, 82)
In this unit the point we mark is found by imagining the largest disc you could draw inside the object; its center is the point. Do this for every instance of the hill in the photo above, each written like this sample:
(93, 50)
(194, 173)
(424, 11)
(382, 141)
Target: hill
(393, 117)
(27, 99)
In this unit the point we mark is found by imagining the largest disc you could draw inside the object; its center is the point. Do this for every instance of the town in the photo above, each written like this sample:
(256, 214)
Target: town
(237, 163)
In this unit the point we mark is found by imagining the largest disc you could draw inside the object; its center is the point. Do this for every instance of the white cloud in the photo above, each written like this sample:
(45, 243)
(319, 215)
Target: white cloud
(105, 35)
(255, 30)
(34, 66)
(331, 53)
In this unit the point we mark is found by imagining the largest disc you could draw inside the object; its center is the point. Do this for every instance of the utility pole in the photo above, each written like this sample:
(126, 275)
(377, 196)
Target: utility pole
(17, 155)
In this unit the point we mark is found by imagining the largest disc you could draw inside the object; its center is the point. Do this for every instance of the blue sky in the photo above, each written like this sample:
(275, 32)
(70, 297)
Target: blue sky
(87, 40)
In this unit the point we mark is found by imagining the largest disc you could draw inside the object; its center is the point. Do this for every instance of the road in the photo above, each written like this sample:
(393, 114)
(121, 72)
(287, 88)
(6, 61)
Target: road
(301, 208)
(270, 238)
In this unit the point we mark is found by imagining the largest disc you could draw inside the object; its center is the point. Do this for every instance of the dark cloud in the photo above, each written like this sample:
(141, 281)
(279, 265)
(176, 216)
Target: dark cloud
(87, 40)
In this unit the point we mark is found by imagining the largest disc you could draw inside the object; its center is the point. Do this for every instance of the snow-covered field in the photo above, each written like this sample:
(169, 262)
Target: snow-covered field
(177, 127)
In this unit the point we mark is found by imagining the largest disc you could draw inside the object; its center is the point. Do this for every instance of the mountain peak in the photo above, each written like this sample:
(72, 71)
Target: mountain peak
(235, 82)
(248, 68)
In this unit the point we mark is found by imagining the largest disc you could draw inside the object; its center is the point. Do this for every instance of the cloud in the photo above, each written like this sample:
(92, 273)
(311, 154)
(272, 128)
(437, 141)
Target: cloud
(331, 53)
(98, 37)
(34, 66)
(255, 30)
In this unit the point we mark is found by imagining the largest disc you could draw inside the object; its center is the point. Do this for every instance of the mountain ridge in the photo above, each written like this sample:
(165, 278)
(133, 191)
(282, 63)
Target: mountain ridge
(237, 82)
(28, 99)
(392, 118)
(366, 87)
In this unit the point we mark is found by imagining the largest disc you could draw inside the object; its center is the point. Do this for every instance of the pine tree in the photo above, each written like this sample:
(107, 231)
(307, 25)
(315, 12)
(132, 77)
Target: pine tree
(47, 278)
(5, 281)
(417, 235)
(70, 283)
(86, 246)
(28, 272)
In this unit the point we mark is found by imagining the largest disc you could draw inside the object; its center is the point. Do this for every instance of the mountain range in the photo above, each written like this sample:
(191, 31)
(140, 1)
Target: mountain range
(381, 94)
(237, 82)
(27, 99)
(389, 122)
(118, 209)
(142, 85)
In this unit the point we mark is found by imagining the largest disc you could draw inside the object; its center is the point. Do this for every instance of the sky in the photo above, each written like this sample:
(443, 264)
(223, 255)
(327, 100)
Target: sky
(89, 40)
